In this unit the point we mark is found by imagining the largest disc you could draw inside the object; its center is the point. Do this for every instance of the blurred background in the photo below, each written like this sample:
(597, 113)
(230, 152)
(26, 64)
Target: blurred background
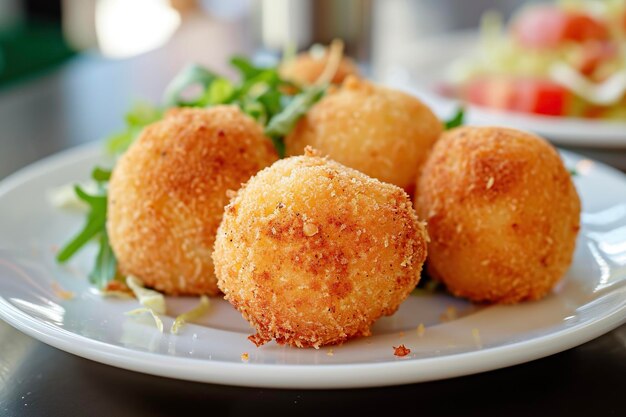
(69, 69)
(38, 35)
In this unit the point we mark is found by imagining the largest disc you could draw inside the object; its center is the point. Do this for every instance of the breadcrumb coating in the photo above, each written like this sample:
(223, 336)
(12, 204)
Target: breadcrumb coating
(305, 69)
(382, 132)
(168, 191)
(502, 213)
(312, 252)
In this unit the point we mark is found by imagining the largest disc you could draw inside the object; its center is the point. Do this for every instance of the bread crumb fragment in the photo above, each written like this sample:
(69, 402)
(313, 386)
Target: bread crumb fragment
(421, 330)
(245, 357)
(477, 340)
(449, 315)
(401, 351)
(61, 292)
(310, 229)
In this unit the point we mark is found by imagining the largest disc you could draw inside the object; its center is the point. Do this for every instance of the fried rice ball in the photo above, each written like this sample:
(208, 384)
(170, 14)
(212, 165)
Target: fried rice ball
(168, 191)
(502, 214)
(307, 67)
(382, 132)
(312, 252)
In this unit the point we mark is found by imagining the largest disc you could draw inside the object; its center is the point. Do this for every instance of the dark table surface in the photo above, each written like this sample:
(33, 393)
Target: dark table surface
(83, 101)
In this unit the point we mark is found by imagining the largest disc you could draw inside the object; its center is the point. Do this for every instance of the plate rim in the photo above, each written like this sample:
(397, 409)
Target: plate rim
(331, 376)
(396, 371)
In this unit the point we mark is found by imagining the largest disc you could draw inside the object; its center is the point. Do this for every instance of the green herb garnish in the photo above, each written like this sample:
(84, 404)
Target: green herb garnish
(189, 76)
(95, 228)
(284, 122)
(139, 116)
(261, 93)
(105, 267)
(101, 175)
(456, 120)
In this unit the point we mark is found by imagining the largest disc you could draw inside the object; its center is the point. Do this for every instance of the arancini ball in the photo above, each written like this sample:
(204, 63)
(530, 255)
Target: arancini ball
(312, 252)
(306, 68)
(384, 133)
(168, 191)
(502, 214)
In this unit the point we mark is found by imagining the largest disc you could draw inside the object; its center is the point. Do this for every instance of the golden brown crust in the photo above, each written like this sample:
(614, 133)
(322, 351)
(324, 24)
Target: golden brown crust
(305, 69)
(384, 133)
(502, 213)
(312, 252)
(168, 192)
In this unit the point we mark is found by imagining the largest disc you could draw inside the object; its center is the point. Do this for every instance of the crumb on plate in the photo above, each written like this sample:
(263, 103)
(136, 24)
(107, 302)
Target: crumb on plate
(421, 329)
(449, 315)
(61, 292)
(477, 339)
(401, 351)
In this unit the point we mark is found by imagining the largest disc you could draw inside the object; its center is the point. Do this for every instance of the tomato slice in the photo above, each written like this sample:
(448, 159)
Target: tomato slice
(547, 26)
(540, 97)
(526, 95)
(581, 28)
(594, 54)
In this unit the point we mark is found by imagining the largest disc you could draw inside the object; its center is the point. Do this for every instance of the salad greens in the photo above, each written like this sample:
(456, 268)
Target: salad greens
(261, 93)
(105, 266)
(283, 122)
(139, 116)
(456, 120)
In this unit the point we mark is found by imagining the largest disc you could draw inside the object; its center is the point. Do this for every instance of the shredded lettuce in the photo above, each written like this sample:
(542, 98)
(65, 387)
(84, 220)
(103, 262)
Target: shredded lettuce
(153, 302)
(157, 320)
(606, 93)
(148, 298)
(190, 315)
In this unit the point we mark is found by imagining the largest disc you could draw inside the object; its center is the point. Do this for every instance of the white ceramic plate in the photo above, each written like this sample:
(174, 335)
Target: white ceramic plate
(419, 67)
(590, 301)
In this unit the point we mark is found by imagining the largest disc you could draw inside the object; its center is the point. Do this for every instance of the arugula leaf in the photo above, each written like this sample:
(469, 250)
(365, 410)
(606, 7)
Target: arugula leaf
(254, 109)
(246, 68)
(191, 75)
(96, 221)
(283, 123)
(252, 74)
(261, 93)
(101, 174)
(139, 116)
(456, 120)
(272, 102)
(142, 113)
(105, 267)
(220, 91)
